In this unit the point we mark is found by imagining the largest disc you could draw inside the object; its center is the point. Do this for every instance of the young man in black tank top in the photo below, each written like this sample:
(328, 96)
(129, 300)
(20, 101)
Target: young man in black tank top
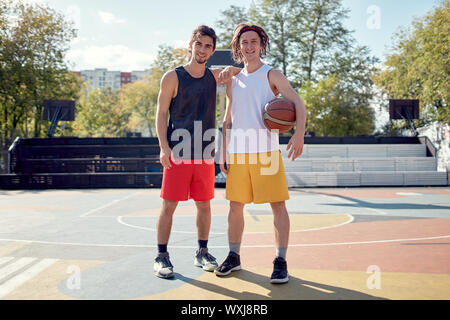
(188, 97)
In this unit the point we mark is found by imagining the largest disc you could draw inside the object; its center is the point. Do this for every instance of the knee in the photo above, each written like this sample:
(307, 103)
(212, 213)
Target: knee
(168, 207)
(203, 204)
(236, 206)
(203, 208)
(279, 208)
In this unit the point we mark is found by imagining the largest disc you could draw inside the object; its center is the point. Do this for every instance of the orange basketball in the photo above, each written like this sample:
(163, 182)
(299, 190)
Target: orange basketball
(279, 113)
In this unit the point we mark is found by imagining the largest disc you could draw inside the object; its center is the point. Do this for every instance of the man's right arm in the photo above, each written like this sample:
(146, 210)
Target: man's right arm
(169, 83)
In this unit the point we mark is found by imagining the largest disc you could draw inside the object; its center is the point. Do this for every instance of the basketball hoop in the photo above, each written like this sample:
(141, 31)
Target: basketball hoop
(58, 110)
(405, 110)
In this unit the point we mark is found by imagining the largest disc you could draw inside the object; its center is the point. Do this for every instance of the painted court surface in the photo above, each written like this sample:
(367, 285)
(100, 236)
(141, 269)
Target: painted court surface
(356, 243)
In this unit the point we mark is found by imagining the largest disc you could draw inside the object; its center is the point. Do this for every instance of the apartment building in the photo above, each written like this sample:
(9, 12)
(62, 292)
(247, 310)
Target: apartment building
(101, 78)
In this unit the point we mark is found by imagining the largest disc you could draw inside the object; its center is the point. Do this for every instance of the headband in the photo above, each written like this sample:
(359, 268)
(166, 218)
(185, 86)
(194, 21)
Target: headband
(249, 28)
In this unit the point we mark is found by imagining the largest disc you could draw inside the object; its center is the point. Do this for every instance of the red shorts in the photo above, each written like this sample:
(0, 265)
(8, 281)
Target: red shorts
(191, 179)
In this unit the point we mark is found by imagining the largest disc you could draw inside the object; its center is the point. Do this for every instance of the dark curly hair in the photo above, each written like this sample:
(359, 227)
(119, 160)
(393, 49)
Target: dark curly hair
(238, 31)
(204, 31)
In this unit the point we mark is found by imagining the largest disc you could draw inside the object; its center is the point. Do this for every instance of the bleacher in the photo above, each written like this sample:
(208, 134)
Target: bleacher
(58, 163)
(83, 163)
(392, 162)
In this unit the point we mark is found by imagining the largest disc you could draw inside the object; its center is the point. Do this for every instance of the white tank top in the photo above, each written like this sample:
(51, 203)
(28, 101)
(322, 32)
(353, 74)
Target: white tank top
(250, 93)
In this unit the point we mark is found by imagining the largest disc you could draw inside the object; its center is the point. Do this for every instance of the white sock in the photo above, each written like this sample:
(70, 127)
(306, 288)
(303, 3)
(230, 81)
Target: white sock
(281, 252)
(235, 247)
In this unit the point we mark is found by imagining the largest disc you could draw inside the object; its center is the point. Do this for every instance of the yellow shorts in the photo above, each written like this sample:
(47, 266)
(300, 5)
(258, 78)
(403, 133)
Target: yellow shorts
(257, 178)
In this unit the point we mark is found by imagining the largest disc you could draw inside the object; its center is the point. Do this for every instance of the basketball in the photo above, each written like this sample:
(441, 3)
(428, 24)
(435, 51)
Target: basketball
(279, 113)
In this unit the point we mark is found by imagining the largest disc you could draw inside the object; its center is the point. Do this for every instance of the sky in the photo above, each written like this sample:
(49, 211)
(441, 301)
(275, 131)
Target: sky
(124, 35)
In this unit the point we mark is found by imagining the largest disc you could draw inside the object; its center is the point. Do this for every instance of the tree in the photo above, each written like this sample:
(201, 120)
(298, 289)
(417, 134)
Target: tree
(230, 18)
(278, 18)
(99, 114)
(334, 111)
(33, 43)
(320, 35)
(140, 100)
(133, 108)
(354, 69)
(419, 67)
(320, 57)
(304, 35)
(169, 57)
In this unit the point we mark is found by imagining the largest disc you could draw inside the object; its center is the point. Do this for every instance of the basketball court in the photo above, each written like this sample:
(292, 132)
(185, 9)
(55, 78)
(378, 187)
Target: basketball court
(345, 243)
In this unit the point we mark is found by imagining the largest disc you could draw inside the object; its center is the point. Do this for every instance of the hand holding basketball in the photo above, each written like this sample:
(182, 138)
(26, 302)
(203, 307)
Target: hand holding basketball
(279, 114)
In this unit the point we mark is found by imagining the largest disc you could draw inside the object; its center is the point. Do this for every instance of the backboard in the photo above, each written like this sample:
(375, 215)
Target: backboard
(404, 109)
(59, 110)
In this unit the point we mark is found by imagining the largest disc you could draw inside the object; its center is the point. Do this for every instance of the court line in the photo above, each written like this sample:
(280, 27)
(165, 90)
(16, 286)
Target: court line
(26, 275)
(226, 246)
(4, 260)
(119, 220)
(350, 220)
(110, 204)
(361, 242)
(14, 266)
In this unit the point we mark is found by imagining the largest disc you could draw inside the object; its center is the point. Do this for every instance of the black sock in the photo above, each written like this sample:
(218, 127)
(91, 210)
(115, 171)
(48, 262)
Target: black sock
(162, 248)
(202, 243)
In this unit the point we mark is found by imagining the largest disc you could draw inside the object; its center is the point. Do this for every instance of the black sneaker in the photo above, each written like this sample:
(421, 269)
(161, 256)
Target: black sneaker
(280, 273)
(205, 260)
(163, 267)
(231, 263)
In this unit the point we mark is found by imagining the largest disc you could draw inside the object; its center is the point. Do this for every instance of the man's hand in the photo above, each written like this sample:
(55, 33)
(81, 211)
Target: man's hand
(226, 74)
(295, 146)
(164, 157)
(223, 159)
(223, 168)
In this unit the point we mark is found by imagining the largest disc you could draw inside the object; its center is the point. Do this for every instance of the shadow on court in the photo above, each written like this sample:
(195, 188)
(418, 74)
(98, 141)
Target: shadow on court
(295, 289)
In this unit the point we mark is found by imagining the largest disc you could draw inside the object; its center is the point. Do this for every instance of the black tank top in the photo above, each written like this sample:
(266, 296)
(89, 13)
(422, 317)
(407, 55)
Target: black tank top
(194, 111)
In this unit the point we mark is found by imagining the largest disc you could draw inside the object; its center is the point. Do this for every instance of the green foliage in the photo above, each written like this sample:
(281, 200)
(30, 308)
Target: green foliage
(304, 34)
(333, 110)
(140, 100)
(309, 43)
(33, 43)
(278, 18)
(419, 67)
(169, 58)
(229, 19)
(99, 114)
(320, 57)
(133, 108)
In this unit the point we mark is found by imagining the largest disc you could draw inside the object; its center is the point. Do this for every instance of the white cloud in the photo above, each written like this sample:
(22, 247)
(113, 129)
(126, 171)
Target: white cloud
(112, 57)
(109, 18)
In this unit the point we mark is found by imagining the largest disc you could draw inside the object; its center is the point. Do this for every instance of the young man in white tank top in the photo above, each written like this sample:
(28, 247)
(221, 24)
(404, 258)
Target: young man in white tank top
(251, 153)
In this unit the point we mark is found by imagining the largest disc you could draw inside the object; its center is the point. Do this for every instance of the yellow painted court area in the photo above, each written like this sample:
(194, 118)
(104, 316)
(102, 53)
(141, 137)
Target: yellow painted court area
(45, 287)
(299, 222)
(253, 283)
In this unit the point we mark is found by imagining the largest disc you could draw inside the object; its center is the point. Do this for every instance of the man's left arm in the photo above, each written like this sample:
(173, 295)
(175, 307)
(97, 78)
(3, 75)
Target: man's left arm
(281, 83)
(224, 75)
